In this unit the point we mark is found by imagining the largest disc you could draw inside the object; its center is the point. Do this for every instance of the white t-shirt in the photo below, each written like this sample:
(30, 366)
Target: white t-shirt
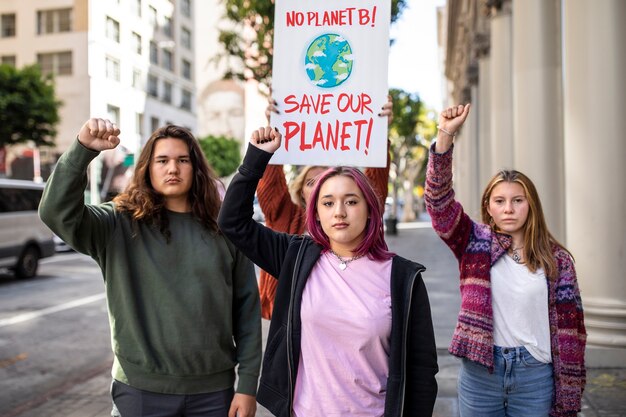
(520, 308)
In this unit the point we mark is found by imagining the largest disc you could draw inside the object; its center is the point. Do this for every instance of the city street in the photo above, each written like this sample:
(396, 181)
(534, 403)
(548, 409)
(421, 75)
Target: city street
(55, 353)
(54, 331)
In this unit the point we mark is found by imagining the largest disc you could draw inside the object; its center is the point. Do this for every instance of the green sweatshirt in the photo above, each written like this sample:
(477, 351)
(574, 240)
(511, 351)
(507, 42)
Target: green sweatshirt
(183, 315)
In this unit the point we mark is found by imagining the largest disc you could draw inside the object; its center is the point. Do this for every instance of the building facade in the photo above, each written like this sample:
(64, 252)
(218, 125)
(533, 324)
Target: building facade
(545, 79)
(225, 107)
(131, 61)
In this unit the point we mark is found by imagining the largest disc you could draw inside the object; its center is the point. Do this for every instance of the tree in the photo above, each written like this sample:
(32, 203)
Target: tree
(28, 106)
(248, 40)
(222, 154)
(410, 133)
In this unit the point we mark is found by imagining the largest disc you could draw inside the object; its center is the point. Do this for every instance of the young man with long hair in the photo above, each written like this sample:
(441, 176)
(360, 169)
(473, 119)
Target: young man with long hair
(183, 301)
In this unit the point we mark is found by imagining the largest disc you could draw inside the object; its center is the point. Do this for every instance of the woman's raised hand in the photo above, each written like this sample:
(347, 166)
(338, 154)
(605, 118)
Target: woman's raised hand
(453, 117)
(387, 109)
(450, 121)
(266, 138)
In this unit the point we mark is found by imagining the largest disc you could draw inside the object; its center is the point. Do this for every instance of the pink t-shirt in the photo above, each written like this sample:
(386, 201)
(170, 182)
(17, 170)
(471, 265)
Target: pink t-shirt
(346, 326)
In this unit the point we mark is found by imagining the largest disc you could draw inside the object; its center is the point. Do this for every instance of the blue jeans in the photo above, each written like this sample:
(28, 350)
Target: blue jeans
(133, 402)
(520, 386)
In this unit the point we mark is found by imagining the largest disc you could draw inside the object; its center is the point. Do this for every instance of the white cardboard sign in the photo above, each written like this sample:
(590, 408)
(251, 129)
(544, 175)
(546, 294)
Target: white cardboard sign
(330, 81)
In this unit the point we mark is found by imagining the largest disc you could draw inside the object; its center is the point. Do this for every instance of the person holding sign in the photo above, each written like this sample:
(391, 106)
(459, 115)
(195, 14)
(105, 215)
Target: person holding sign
(284, 205)
(521, 330)
(351, 332)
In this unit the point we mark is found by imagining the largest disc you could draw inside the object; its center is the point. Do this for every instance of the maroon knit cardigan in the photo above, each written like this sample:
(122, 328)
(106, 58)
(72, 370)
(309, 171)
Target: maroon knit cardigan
(477, 247)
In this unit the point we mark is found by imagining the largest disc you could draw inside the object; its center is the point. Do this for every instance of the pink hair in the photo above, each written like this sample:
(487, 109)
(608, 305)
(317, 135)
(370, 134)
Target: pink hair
(373, 245)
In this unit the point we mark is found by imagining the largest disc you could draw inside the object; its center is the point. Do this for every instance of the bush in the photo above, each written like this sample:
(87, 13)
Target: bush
(222, 153)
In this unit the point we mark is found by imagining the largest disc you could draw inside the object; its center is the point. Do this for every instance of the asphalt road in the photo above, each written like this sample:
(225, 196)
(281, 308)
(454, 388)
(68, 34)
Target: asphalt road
(55, 353)
(54, 330)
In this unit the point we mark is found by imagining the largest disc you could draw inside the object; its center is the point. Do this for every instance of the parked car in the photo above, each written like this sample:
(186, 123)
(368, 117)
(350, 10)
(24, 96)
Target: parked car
(24, 238)
(60, 245)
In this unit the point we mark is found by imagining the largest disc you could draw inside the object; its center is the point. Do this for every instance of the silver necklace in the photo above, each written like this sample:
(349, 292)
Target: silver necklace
(515, 255)
(343, 263)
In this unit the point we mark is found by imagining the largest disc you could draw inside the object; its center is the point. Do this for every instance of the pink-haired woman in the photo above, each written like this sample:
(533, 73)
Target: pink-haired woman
(351, 333)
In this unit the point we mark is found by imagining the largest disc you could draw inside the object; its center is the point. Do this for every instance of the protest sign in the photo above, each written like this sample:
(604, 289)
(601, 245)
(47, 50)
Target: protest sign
(329, 79)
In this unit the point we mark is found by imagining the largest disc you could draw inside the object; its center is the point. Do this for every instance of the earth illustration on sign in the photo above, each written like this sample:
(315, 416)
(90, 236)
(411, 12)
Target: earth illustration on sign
(328, 60)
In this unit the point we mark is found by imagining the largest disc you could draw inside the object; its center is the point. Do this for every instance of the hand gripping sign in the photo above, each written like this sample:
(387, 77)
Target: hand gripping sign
(330, 81)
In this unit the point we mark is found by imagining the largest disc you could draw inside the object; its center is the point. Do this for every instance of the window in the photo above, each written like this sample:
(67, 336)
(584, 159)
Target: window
(136, 6)
(168, 60)
(113, 29)
(185, 101)
(137, 82)
(112, 69)
(167, 26)
(139, 123)
(153, 86)
(185, 7)
(154, 123)
(152, 16)
(54, 21)
(113, 114)
(154, 53)
(7, 60)
(59, 63)
(185, 38)
(167, 92)
(19, 199)
(186, 69)
(7, 25)
(136, 39)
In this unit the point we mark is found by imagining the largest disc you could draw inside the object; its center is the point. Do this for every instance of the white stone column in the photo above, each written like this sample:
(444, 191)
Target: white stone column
(537, 101)
(501, 88)
(595, 168)
(482, 108)
(465, 165)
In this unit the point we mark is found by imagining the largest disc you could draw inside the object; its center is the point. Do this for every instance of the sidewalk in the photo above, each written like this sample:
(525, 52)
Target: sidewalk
(605, 395)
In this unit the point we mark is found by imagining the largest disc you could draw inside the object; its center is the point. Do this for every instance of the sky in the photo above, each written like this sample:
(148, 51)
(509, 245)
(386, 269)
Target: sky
(413, 60)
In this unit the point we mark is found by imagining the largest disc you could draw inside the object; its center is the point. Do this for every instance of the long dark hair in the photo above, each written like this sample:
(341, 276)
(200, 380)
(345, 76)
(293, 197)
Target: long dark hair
(143, 203)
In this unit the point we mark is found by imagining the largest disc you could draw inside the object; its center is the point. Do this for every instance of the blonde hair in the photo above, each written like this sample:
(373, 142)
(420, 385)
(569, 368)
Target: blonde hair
(538, 240)
(296, 186)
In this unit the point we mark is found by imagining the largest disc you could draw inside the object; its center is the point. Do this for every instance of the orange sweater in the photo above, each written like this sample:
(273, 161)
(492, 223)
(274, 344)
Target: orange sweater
(282, 215)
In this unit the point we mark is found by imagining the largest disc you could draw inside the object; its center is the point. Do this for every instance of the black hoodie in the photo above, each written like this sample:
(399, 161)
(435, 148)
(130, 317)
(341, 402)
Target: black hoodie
(411, 385)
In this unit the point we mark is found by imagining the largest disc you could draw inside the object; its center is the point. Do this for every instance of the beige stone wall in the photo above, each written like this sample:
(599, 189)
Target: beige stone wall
(551, 109)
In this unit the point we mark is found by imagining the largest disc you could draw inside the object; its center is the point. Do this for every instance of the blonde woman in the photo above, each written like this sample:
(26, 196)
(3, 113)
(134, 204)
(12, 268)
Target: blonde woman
(520, 332)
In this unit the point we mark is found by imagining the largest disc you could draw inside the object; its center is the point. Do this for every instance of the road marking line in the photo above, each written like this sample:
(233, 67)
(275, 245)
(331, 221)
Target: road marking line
(64, 257)
(414, 225)
(50, 310)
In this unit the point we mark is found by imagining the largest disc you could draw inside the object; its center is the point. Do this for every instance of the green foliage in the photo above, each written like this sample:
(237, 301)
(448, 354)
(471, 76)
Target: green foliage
(248, 53)
(28, 106)
(408, 153)
(406, 112)
(222, 153)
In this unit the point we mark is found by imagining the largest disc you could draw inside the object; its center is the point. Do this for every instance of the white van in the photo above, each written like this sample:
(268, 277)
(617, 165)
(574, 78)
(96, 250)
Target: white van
(24, 238)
